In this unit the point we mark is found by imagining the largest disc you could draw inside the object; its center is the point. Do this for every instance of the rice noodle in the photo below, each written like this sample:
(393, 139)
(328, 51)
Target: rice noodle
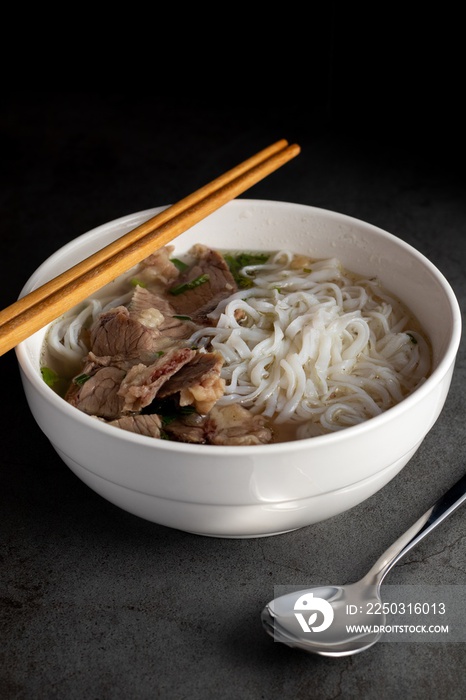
(317, 347)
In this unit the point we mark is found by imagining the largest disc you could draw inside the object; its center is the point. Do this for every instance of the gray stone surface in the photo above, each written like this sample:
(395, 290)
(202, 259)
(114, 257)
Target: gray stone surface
(96, 603)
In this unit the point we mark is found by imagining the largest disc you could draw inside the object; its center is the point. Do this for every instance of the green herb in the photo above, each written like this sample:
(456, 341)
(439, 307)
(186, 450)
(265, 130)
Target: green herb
(49, 376)
(187, 410)
(237, 262)
(181, 288)
(137, 283)
(168, 417)
(182, 266)
(81, 379)
(182, 318)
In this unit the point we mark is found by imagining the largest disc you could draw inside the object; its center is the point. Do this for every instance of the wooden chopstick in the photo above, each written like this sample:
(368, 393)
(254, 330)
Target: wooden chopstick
(49, 301)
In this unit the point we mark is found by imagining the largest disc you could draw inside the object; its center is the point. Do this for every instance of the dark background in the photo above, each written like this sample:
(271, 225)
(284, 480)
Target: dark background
(88, 600)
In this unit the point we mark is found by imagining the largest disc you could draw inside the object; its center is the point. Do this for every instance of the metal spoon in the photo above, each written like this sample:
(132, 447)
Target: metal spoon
(283, 617)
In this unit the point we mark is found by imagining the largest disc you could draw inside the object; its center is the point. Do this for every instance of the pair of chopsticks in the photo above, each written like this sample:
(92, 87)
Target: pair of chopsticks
(48, 302)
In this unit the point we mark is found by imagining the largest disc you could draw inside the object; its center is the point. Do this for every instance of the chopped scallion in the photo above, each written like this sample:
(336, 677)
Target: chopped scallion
(182, 266)
(181, 288)
(81, 379)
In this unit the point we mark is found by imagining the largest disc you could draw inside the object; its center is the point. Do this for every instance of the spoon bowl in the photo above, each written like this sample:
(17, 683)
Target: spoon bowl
(282, 620)
(348, 619)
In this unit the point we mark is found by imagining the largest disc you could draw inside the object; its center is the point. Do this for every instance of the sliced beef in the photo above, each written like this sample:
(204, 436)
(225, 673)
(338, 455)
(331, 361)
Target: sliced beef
(98, 395)
(235, 425)
(225, 425)
(147, 424)
(111, 391)
(141, 384)
(121, 361)
(147, 326)
(115, 332)
(159, 268)
(139, 367)
(181, 432)
(198, 382)
(155, 311)
(187, 426)
(144, 300)
(203, 298)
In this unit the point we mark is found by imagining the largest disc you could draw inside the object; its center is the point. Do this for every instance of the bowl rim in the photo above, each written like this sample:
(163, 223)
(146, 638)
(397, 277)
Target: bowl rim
(27, 367)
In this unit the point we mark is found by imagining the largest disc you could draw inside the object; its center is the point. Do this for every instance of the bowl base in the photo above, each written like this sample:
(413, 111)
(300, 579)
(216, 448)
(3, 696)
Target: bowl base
(237, 521)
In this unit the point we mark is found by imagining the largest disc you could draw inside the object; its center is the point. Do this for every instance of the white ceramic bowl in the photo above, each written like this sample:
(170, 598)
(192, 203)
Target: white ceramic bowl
(258, 490)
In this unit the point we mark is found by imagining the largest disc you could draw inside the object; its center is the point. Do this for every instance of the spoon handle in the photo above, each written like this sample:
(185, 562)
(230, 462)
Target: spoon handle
(450, 500)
